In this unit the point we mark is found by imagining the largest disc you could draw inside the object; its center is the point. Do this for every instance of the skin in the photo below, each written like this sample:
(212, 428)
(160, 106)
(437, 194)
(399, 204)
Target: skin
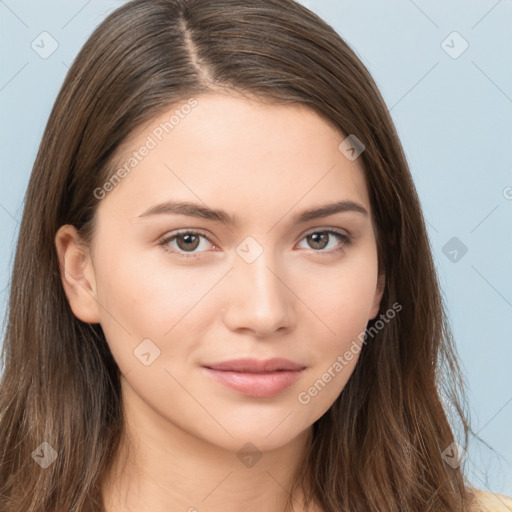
(297, 300)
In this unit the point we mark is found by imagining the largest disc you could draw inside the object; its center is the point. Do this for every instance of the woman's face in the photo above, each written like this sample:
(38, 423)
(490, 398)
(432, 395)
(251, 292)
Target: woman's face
(268, 284)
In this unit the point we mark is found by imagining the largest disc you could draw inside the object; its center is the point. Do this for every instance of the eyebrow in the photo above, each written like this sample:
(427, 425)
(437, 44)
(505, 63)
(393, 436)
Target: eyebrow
(196, 210)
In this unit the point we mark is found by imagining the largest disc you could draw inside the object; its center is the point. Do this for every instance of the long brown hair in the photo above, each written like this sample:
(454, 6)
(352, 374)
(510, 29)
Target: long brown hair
(379, 447)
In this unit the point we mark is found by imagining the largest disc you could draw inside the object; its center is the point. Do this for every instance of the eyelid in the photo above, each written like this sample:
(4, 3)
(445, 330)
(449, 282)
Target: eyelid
(340, 231)
(183, 231)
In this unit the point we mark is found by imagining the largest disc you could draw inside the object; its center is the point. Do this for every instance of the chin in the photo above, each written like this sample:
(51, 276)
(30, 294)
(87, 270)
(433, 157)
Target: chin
(262, 435)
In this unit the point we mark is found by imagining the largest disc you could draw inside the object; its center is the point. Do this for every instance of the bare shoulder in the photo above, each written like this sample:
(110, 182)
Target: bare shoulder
(493, 502)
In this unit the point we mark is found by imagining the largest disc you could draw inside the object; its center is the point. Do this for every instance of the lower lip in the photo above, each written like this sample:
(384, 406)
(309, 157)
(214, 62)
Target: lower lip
(256, 384)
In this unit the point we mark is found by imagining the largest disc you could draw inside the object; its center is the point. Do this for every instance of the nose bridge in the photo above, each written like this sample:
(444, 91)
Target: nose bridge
(258, 265)
(261, 301)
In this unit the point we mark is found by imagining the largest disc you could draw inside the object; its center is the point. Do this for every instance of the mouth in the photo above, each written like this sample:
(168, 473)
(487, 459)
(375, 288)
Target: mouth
(255, 378)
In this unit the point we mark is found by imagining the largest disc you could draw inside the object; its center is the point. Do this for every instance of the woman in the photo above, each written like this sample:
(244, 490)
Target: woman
(296, 355)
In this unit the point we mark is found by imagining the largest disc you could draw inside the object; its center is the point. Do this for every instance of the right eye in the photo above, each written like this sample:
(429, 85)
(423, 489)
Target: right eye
(186, 242)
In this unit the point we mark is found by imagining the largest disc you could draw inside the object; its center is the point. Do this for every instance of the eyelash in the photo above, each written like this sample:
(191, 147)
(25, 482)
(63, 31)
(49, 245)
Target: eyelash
(345, 238)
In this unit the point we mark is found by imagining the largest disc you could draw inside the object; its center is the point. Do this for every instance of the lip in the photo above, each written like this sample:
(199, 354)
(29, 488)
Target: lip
(256, 378)
(256, 365)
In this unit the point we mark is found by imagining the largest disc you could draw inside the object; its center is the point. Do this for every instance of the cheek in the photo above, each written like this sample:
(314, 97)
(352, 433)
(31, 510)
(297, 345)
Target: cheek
(343, 308)
(143, 299)
(335, 353)
(343, 296)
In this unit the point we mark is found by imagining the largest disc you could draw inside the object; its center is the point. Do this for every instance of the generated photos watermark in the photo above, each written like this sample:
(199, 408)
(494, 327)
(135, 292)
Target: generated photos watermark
(157, 135)
(304, 397)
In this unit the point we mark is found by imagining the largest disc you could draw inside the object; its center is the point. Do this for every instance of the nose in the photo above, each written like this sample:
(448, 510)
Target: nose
(259, 299)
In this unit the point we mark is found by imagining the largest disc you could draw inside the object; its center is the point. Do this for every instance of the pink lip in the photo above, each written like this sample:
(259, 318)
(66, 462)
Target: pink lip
(256, 378)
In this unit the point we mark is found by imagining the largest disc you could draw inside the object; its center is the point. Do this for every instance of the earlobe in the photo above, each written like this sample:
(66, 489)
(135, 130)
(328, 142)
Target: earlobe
(381, 284)
(77, 274)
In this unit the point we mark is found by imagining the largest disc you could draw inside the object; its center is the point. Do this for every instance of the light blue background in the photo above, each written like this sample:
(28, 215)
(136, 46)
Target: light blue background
(454, 119)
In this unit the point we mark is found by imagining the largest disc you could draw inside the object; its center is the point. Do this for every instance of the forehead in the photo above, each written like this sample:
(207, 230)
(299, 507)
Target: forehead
(238, 154)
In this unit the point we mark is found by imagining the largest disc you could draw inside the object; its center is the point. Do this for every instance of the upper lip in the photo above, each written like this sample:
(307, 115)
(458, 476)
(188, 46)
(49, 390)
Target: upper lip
(256, 365)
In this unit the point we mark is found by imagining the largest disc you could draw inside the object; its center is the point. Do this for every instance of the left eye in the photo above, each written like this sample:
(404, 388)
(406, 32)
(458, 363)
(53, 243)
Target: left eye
(189, 241)
(319, 240)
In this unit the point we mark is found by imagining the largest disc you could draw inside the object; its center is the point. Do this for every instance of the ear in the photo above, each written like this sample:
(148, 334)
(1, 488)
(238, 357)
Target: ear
(77, 274)
(381, 284)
